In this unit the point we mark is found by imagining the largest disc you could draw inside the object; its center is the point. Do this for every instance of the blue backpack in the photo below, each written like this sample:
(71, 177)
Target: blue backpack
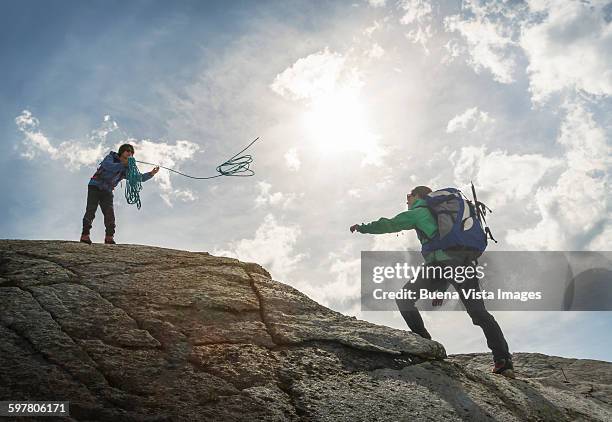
(461, 222)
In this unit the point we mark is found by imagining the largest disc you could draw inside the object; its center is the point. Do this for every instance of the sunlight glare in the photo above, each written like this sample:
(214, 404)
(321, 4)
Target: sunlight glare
(337, 122)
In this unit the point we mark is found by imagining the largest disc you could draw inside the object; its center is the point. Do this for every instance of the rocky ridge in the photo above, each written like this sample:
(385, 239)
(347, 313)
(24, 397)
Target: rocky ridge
(137, 333)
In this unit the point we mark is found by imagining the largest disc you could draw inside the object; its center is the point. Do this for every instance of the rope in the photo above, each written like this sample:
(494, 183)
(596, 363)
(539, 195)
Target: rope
(133, 183)
(234, 166)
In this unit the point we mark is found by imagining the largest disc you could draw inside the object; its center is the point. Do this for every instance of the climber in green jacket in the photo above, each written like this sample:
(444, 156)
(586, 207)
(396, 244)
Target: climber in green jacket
(419, 218)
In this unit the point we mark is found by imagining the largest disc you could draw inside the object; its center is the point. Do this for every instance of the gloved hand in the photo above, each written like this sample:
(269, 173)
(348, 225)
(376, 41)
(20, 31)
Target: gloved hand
(354, 227)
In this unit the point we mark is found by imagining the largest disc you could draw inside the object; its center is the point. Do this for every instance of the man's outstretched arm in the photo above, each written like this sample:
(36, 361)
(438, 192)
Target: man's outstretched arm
(403, 221)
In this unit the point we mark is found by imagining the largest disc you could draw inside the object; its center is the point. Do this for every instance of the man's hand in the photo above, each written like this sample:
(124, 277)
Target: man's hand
(354, 228)
(154, 171)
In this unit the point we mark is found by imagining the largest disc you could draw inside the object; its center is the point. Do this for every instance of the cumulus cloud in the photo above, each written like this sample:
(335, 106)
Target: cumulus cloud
(344, 289)
(574, 212)
(568, 45)
(505, 177)
(278, 199)
(73, 154)
(167, 155)
(454, 50)
(273, 246)
(421, 35)
(90, 150)
(34, 141)
(418, 14)
(292, 159)
(415, 11)
(312, 76)
(471, 119)
(571, 47)
(488, 30)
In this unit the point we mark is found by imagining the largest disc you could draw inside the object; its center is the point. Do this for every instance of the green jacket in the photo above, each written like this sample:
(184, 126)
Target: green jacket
(418, 217)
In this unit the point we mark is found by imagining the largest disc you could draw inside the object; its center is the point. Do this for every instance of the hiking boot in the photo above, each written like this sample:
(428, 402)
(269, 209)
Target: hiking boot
(109, 240)
(504, 367)
(85, 239)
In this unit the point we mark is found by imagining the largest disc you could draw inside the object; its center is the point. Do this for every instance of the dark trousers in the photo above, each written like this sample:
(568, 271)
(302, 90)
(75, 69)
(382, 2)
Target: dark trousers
(474, 307)
(95, 197)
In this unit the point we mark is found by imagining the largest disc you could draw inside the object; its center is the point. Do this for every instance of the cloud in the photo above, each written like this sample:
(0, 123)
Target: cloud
(334, 115)
(272, 247)
(385, 182)
(488, 31)
(505, 177)
(421, 35)
(568, 45)
(372, 28)
(311, 76)
(376, 52)
(453, 51)
(570, 48)
(73, 154)
(292, 159)
(472, 120)
(107, 127)
(184, 195)
(279, 199)
(574, 211)
(344, 289)
(402, 241)
(603, 241)
(91, 150)
(418, 13)
(34, 139)
(167, 155)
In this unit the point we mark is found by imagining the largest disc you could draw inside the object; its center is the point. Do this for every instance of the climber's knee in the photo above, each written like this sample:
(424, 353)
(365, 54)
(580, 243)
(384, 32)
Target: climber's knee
(481, 317)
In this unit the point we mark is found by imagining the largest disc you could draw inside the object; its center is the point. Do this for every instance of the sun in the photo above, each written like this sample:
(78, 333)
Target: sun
(337, 121)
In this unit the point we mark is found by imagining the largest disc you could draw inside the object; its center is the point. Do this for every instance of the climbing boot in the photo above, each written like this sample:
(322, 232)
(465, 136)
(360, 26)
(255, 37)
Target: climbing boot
(85, 239)
(504, 367)
(109, 240)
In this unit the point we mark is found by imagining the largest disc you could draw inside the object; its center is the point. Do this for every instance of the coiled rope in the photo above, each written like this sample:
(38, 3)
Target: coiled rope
(133, 183)
(235, 166)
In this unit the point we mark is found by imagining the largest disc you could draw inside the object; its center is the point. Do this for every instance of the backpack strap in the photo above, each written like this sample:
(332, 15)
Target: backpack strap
(420, 233)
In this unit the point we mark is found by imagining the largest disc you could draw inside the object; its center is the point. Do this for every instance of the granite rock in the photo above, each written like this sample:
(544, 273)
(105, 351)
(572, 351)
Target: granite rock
(137, 333)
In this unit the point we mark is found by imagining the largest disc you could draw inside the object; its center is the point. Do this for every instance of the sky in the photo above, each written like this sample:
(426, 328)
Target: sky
(355, 103)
